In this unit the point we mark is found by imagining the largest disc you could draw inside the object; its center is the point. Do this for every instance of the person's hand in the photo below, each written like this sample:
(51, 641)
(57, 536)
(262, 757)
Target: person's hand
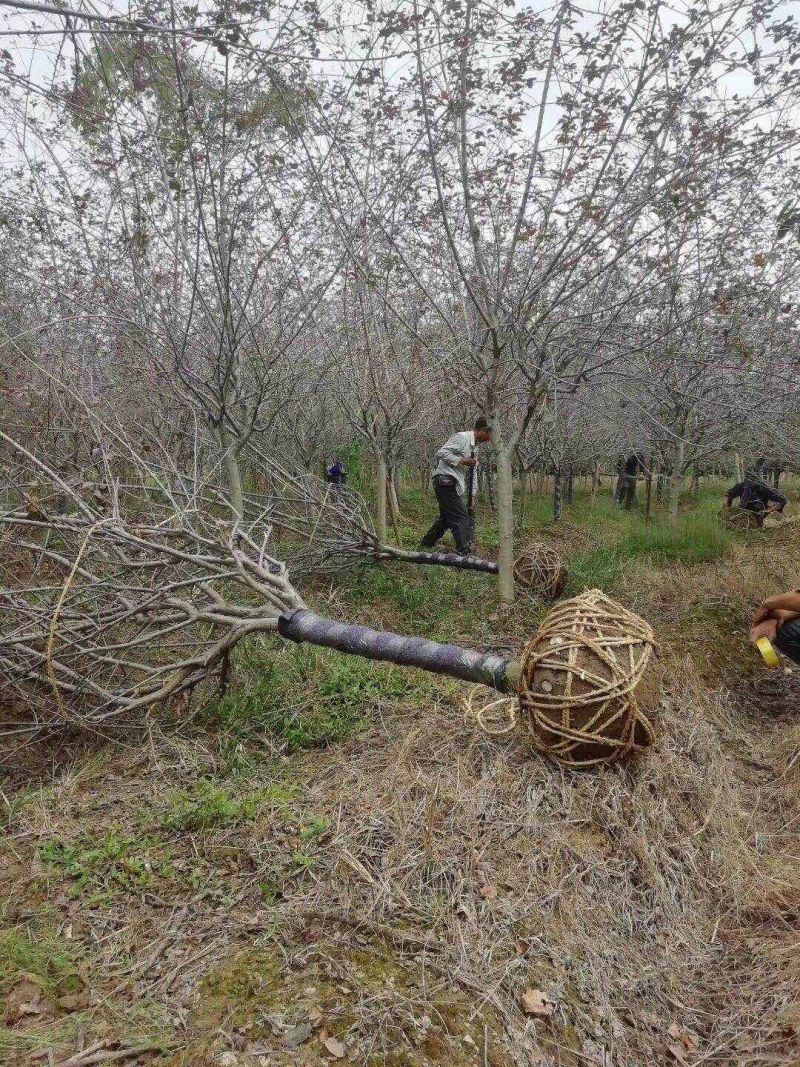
(766, 628)
(468, 461)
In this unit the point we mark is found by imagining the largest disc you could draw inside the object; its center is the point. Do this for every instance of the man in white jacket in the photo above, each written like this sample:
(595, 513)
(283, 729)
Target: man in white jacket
(453, 461)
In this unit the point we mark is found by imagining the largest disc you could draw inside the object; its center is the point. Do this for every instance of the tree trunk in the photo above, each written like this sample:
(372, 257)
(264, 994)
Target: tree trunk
(595, 484)
(523, 500)
(676, 482)
(381, 486)
(486, 668)
(438, 559)
(491, 490)
(232, 473)
(505, 524)
(570, 485)
(648, 490)
(557, 495)
(394, 502)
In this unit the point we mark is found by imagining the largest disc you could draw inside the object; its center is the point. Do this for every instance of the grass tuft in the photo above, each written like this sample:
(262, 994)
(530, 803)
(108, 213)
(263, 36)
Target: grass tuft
(41, 960)
(304, 697)
(210, 806)
(102, 866)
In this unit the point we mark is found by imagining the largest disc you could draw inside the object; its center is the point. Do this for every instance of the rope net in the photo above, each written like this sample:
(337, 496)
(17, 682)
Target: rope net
(541, 572)
(590, 682)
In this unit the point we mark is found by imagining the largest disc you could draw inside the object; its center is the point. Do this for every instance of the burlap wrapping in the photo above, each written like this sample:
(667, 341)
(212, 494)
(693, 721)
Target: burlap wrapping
(540, 571)
(590, 682)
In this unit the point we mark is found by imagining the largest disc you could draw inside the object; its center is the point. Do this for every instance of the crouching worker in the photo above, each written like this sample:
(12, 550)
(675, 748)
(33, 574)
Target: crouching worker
(453, 462)
(776, 624)
(756, 496)
(336, 474)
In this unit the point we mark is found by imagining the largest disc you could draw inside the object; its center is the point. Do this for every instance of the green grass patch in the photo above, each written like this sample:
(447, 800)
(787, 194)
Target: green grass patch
(304, 697)
(104, 865)
(696, 538)
(596, 569)
(42, 960)
(210, 806)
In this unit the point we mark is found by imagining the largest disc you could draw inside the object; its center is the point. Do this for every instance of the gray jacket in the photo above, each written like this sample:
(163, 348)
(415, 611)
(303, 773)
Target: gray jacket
(459, 446)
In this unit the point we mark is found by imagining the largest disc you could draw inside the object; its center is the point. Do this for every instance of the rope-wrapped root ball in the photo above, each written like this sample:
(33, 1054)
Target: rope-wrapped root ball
(540, 571)
(590, 682)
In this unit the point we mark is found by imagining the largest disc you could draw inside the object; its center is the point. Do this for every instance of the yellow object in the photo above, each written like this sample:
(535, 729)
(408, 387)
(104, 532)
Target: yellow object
(764, 646)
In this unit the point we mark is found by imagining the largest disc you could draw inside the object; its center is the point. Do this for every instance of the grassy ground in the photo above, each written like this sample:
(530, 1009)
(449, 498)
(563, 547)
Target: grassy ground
(328, 863)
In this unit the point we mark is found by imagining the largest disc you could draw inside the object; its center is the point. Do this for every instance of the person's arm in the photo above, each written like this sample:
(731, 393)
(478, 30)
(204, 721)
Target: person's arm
(455, 451)
(780, 607)
(734, 492)
(774, 497)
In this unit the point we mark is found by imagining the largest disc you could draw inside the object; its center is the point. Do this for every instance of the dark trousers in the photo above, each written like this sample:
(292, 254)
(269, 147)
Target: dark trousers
(453, 515)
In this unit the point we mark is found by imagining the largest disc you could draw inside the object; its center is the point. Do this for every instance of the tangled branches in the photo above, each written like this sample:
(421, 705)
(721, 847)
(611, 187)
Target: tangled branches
(127, 594)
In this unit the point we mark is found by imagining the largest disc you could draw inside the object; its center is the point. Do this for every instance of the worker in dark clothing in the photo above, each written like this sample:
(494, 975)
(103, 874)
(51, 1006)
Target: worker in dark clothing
(756, 496)
(337, 475)
(453, 460)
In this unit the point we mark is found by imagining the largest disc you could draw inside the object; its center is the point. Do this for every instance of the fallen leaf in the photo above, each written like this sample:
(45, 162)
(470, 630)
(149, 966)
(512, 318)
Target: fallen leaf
(31, 1007)
(535, 1002)
(335, 1047)
(24, 1001)
(297, 1035)
(677, 1052)
(488, 892)
(688, 1040)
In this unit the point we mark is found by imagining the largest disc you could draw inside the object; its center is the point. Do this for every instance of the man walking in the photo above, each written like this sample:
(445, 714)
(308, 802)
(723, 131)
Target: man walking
(455, 460)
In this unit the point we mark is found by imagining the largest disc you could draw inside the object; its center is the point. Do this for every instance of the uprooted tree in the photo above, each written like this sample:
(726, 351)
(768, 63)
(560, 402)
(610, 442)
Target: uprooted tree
(122, 597)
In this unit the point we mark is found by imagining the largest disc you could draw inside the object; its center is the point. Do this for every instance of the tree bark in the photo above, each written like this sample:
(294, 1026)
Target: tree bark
(523, 500)
(505, 523)
(676, 482)
(486, 668)
(394, 502)
(648, 489)
(557, 495)
(232, 473)
(381, 494)
(490, 487)
(595, 484)
(438, 559)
